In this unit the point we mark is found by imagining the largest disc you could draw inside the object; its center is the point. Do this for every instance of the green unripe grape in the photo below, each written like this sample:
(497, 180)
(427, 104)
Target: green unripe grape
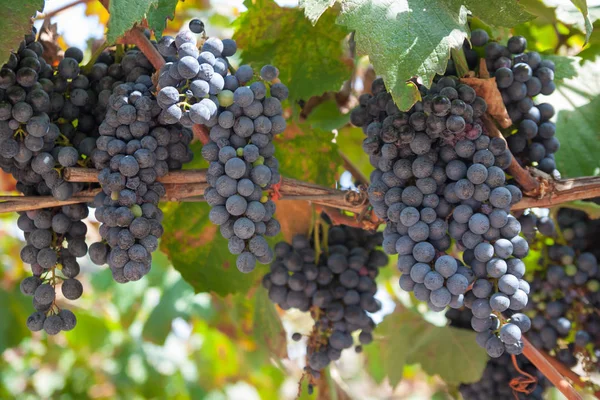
(259, 161)
(136, 210)
(593, 285)
(114, 196)
(240, 152)
(225, 98)
(264, 198)
(570, 270)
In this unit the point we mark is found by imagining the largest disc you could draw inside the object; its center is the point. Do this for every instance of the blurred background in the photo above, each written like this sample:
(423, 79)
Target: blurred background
(156, 338)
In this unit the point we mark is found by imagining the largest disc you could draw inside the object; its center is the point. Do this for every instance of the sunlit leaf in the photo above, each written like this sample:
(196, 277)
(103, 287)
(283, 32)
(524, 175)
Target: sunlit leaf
(15, 23)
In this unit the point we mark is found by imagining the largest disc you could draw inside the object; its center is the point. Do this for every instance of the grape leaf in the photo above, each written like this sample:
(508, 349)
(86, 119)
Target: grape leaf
(441, 349)
(399, 331)
(307, 154)
(92, 332)
(349, 140)
(13, 318)
(267, 327)
(566, 67)
(313, 9)
(327, 116)
(543, 12)
(583, 7)
(158, 325)
(199, 252)
(413, 39)
(409, 339)
(158, 14)
(579, 140)
(124, 14)
(309, 57)
(15, 23)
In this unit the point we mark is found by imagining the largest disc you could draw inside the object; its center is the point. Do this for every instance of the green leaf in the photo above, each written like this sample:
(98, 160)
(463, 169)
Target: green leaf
(268, 330)
(577, 131)
(91, 332)
(13, 318)
(313, 9)
(583, 7)
(199, 252)
(158, 14)
(400, 332)
(308, 155)
(566, 67)
(158, 325)
(501, 13)
(409, 339)
(309, 57)
(441, 349)
(15, 23)
(406, 40)
(543, 12)
(124, 14)
(349, 140)
(327, 116)
(406, 43)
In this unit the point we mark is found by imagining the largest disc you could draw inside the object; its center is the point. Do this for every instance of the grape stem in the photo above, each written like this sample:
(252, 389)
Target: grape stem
(549, 371)
(528, 183)
(61, 9)
(136, 36)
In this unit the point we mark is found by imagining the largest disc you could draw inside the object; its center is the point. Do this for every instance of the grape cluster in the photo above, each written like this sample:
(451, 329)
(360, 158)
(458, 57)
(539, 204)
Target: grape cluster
(47, 231)
(191, 78)
(439, 176)
(565, 289)
(338, 289)
(137, 154)
(521, 76)
(561, 296)
(37, 138)
(243, 165)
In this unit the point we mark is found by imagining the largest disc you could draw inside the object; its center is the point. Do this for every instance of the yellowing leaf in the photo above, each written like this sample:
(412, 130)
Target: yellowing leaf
(96, 8)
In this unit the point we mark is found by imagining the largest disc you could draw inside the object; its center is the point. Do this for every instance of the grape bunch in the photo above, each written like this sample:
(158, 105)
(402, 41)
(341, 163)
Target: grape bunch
(440, 176)
(53, 264)
(137, 152)
(192, 77)
(35, 140)
(563, 295)
(565, 289)
(243, 165)
(579, 231)
(338, 289)
(521, 76)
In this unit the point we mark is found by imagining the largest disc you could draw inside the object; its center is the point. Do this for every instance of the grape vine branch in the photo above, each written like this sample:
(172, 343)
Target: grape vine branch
(556, 191)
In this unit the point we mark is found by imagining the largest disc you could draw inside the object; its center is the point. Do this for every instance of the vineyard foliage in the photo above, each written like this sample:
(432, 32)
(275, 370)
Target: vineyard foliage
(195, 327)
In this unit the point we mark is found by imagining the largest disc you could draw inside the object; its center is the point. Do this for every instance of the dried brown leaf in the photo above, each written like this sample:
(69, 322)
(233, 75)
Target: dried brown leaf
(487, 89)
(49, 38)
